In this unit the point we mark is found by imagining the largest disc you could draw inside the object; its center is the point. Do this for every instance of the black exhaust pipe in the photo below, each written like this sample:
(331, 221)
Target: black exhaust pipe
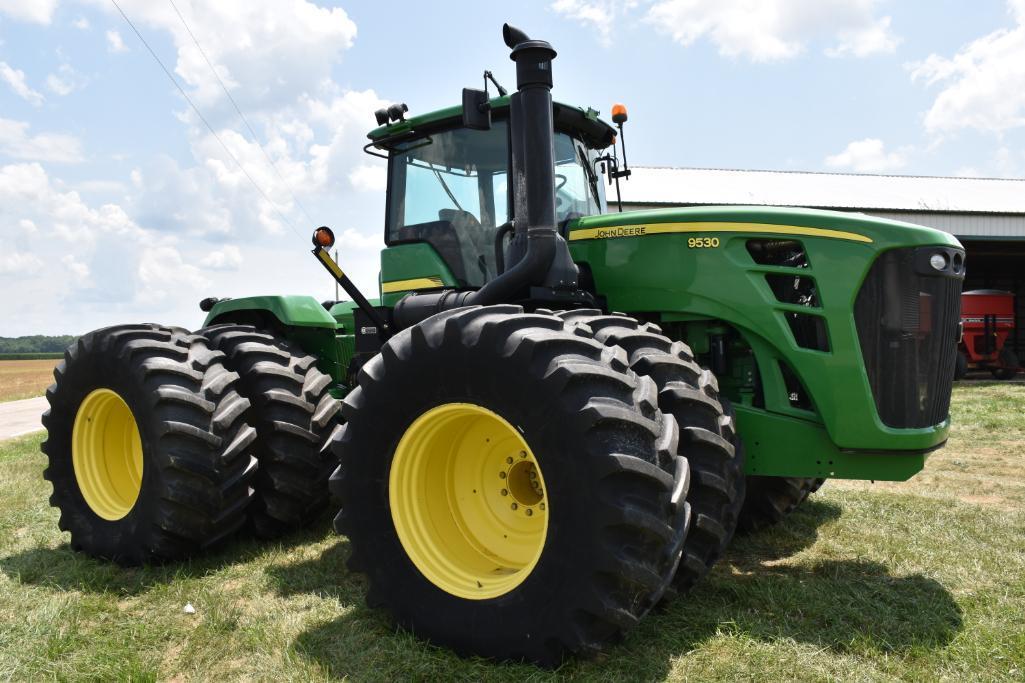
(535, 256)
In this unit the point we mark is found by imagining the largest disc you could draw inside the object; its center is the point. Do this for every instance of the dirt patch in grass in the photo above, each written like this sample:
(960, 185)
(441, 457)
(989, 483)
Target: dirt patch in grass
(25, 378)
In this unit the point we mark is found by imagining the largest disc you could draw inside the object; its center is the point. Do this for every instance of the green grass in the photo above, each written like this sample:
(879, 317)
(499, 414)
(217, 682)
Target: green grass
(923, 580)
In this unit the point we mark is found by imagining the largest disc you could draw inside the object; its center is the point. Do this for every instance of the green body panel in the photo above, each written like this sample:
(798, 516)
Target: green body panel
(644, 272)
(302, 320)
(293, 311)
(783, 446)
(407, 263)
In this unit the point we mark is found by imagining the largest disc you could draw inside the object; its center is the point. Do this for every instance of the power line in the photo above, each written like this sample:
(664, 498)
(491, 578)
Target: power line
(242, 116)
(207, 123)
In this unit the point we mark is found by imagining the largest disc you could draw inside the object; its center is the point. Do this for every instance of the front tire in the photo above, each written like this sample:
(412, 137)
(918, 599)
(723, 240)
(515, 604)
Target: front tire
(438, 416)
(770, 499)
(960, 365)
(707, 433)
(147, 445)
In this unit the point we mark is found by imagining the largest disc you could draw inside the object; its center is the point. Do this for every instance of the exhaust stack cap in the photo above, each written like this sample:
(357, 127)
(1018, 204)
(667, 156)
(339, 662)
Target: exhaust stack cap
(533, 58)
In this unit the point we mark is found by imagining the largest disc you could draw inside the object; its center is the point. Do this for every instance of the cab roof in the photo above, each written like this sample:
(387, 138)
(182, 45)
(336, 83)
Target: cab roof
(594, 132)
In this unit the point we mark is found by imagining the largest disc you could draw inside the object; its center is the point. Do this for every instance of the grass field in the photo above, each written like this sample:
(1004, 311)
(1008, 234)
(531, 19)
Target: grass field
(923, 580)
(25, 378)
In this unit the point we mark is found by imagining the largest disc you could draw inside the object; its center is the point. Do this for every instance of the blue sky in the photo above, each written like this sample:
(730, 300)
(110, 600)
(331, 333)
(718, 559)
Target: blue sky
(118, 205)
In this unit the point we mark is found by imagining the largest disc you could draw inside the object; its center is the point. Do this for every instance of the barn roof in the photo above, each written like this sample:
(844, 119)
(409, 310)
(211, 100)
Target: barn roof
(676, 186)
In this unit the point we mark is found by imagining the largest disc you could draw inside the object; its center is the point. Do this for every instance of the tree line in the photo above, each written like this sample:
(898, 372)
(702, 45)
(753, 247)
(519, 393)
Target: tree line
(36, 343)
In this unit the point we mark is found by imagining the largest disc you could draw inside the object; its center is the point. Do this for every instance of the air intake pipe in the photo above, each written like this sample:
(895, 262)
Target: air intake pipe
(538, 255)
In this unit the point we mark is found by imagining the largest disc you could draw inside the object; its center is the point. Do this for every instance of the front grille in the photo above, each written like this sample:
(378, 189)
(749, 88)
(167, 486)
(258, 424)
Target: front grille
(907, 315)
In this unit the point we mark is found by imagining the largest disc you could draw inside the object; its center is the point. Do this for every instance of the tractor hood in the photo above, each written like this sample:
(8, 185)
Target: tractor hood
(782, 221)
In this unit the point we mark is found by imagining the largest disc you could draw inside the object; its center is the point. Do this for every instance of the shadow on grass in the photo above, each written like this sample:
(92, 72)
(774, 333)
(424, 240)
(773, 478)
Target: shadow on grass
(65, 569)
(796, 533)
(843, 606)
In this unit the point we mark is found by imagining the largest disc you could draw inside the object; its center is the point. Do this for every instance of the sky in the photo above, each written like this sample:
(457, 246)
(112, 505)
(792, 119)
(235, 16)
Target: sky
(118, 204)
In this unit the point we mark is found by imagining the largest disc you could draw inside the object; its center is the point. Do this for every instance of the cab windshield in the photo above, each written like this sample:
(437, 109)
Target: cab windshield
(450, 189)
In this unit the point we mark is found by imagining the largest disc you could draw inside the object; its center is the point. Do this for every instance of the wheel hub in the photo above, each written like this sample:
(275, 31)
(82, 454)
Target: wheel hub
(106, 453)
(468, 501)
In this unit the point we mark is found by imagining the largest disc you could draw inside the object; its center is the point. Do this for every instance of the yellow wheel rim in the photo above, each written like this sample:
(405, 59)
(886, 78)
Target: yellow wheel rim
(106, 452)
(468, 501)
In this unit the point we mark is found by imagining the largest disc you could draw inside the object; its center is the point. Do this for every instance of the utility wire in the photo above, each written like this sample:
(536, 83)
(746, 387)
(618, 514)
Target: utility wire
(207, 123)
(242, 116)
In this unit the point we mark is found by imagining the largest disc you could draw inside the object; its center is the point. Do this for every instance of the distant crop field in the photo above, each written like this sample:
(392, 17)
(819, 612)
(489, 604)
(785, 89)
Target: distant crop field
(916, 581)
(25, 378)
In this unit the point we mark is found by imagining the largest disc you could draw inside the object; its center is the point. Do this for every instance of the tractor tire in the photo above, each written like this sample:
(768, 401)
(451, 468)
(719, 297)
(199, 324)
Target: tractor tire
(960, 365)
(294, 416)
(770, 499)
(707, 435)
(148, 449)
(1008, 365)
(509, 487)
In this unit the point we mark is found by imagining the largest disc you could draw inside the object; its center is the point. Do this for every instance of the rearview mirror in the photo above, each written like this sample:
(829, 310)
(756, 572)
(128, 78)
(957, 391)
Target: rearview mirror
(476, 110)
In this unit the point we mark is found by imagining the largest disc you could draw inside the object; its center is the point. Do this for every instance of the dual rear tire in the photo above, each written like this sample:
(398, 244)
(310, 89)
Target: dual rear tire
(162, 443)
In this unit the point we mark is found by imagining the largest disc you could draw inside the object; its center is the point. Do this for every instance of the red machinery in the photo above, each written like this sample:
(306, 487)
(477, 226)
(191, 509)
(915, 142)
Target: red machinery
(988, 318)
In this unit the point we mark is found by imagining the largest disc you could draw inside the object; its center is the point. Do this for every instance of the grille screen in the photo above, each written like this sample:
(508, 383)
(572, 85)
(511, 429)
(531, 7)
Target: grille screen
(907, 318)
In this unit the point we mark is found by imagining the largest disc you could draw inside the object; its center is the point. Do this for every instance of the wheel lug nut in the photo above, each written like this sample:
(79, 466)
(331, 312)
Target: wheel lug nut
(509, 460)
(523, 454)
(505, 492)
(529, 512)
(501, 475)
(515, 506)
(542, 506)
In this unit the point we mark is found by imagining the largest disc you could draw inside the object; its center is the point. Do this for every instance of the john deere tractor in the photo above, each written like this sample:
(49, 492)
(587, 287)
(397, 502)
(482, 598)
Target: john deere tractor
(553, 417)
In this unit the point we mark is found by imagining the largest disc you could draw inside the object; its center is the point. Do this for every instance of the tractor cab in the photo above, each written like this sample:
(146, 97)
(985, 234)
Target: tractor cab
(449, 185)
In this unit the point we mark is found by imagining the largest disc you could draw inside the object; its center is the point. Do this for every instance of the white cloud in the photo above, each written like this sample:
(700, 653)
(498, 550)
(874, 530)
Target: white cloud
(82, 24)
(164, 274)
(37, 11)
(352, 239)
(15, 78)
(76, 268)
(16, 263)
(163, 243)
(115, 43)
(868, 156)
(276, 58)
(366, 178)
(278, 49)
(16, 142)
(598, 15)
(107, 187)
(983, 84)
(65, 81)
(862, 41)
(774, 30)
(228, 257)
(109, 268)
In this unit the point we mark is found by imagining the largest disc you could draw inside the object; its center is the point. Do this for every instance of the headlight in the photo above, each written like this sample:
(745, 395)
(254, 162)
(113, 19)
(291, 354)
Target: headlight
(938, 261)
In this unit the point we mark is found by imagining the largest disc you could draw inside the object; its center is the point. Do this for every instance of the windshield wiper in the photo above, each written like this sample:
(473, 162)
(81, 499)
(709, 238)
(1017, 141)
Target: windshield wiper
(448, 191)
(592, 178)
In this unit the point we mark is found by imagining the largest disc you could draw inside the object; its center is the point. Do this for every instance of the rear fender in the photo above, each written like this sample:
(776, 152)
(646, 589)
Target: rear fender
(302, 320)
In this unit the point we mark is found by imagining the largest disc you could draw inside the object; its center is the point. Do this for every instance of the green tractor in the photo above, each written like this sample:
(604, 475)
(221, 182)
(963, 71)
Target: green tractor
(553, 417)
